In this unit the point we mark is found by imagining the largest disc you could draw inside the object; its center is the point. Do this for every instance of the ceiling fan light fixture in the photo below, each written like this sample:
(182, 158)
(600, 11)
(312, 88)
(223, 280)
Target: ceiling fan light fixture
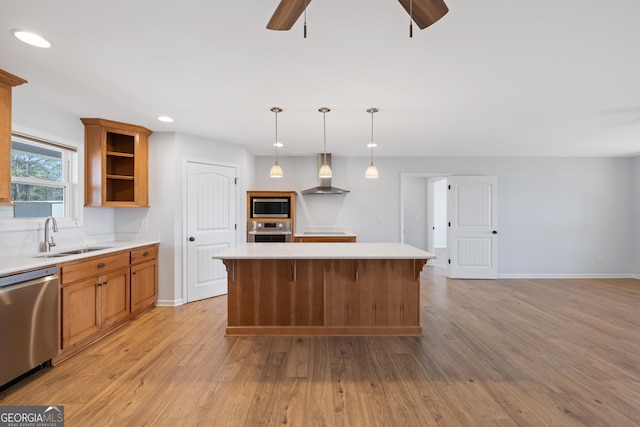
(276, 169)
(325, 169)
(372, 170)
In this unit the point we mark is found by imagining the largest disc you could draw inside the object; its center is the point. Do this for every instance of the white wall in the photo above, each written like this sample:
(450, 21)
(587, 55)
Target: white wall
(168, 154)
(35, 118)
(636, 214)
(415, 211)
(556, 216)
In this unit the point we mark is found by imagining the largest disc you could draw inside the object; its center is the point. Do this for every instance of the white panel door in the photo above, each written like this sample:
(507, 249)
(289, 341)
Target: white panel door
(472, 239)
(211, 223)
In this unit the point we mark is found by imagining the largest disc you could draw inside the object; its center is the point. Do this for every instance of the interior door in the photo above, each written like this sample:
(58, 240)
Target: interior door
(211, 223)
(472, 243)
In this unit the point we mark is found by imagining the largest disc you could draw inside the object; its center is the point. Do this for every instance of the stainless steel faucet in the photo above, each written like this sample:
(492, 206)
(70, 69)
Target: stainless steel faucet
(48, 241)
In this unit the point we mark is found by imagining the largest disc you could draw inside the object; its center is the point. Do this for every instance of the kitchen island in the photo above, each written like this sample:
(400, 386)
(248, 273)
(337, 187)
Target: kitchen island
(324, 289)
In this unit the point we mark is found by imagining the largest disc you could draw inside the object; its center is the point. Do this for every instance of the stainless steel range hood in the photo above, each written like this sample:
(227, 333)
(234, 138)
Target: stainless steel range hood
(324, 184)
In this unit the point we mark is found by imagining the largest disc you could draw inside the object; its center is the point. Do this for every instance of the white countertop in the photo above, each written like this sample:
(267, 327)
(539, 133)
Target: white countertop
(324, 232)
(324, 251)
(16, 263)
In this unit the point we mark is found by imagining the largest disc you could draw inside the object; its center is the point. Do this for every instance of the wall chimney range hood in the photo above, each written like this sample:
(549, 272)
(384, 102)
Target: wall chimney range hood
(324, 184)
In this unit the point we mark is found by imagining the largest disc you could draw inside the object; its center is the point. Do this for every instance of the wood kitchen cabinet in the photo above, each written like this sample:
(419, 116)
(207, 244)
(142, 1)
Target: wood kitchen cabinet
(144, 278)
(100, 293)
(95, 295)
(371, 293)
(287, 293)
(7, 82)
(116, 164)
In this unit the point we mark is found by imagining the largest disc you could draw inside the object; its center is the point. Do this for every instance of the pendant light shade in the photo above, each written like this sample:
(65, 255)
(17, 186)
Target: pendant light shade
(276, 169)
(372, 170)
(325, 170)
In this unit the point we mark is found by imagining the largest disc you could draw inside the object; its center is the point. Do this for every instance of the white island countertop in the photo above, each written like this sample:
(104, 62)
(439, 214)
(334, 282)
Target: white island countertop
(324, 251)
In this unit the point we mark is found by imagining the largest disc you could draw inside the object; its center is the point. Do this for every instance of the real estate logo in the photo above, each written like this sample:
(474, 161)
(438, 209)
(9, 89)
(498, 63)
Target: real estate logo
(31, 416)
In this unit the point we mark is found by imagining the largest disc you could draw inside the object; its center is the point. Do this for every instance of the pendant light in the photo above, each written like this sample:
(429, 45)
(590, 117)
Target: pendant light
(276, 170)
(372, 170)
(325, 170)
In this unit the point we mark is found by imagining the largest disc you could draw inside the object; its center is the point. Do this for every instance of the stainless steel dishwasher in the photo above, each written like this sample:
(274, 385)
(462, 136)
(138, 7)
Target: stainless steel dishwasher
(28, 321)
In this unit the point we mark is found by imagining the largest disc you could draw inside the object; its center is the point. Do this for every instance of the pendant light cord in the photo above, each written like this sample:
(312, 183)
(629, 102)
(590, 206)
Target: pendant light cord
(372, 111)
(410, 18)
(276, 136)
(324, 126)
(305, 19)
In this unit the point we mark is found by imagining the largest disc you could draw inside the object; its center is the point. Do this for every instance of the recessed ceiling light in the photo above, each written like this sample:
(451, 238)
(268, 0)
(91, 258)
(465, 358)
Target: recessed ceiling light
(30, 38)
(372, 144)
(278, 144)
(165, 119)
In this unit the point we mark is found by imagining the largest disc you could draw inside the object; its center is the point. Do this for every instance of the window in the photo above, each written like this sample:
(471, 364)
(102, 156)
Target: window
(40, 179)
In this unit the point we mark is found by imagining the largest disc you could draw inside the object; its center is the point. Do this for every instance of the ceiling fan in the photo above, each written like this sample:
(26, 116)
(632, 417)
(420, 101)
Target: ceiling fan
(422, 12)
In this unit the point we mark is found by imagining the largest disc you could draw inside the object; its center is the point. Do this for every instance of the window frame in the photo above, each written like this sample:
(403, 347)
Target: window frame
(69, 183)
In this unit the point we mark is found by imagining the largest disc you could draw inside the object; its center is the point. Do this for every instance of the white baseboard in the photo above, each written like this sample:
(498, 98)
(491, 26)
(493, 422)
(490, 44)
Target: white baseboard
(569, 276)
(169, 302)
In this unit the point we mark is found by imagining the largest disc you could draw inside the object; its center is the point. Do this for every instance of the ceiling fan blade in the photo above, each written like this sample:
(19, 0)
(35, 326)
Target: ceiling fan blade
(286, 14)
(425, 12)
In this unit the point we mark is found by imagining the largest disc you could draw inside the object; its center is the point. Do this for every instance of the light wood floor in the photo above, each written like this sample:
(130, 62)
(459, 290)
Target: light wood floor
(501, 352)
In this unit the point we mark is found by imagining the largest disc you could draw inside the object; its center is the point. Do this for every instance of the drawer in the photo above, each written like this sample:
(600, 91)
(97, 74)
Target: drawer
(72, 271)
(146, 253)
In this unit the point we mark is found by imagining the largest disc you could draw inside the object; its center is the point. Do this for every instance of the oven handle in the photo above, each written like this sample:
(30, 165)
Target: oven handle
(269, 232)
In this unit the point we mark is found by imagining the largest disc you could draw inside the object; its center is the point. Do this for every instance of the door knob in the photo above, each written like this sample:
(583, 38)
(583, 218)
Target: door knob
(494, 232)
(192, 239)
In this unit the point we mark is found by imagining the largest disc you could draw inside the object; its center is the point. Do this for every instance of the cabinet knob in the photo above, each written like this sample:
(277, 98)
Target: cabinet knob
(494, 232)
(145, 253)
(192, 239)
(101, 265)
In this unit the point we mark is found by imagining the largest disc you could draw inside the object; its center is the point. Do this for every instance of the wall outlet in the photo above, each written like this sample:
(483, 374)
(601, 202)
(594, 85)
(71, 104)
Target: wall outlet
(380, 219)
(86, 225)
(144, 223)
(600, 258)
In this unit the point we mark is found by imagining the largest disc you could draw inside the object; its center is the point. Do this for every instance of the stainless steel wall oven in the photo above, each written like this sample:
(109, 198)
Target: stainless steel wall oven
(269, 232)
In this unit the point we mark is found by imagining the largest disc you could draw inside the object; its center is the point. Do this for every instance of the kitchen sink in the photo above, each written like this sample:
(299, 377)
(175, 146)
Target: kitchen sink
(81, 251)
(71, 252)
(50, 256)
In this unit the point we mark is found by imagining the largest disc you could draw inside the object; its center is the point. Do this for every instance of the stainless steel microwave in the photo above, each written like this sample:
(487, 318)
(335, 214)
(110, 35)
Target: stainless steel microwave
(270, 207)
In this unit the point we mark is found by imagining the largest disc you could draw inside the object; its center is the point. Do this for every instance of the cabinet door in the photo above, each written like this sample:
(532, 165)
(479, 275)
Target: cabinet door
(144, 285)
(80, 311)
(350, 296)
(307, 293)
(115, 296)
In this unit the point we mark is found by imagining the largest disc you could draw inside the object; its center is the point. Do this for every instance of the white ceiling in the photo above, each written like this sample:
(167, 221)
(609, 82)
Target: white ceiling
(491, 78)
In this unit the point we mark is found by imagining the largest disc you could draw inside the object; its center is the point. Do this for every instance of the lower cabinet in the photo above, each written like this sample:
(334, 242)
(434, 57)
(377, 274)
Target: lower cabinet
(100, 293)
(144, 278)
(92, 304)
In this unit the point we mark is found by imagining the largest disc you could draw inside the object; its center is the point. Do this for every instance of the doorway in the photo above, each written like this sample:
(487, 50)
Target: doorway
(424, 211)
(437, 227)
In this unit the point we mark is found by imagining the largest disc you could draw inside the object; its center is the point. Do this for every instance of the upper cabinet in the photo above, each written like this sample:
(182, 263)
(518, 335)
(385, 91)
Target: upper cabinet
(116, 164)
(7, 82)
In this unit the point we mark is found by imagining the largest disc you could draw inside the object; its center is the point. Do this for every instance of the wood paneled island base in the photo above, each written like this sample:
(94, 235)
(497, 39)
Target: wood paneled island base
(323, 296)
